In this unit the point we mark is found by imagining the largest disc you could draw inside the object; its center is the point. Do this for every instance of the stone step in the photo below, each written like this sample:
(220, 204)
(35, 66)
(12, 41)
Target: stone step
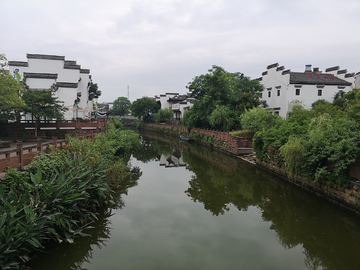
(244, 150)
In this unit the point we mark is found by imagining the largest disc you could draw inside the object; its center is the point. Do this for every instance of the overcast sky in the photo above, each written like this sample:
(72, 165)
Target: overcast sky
(158, 46)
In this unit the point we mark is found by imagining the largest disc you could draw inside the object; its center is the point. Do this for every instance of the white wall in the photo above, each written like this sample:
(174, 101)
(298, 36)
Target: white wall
(40, 64)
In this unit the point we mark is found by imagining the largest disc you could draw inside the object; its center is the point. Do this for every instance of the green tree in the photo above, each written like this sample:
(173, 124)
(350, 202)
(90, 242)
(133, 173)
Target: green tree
(163, 116)
(144, 108)
(94, 92)
(10, 89)
(221, 118)
(258, 119)
(221, 88)
(121, 106)
(41, 104)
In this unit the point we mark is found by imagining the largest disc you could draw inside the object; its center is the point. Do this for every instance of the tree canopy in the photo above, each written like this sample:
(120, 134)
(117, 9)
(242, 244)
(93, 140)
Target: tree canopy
(219, 88)
(121, 106)
(10, 89)
(41, 104)
(144, 108)
(94, 92)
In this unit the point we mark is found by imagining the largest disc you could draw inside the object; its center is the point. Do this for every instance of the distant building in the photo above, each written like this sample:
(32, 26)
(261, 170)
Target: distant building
(71, 81)
(175, 102)
(281, 87)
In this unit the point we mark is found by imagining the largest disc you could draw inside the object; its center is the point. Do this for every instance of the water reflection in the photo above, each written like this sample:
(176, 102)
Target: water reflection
(329, 236)
(73, 256)
(159, 225)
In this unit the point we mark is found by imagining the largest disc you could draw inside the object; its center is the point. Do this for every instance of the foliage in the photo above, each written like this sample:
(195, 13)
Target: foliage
(121, 106)
(58, 196)
(245, 133)
(185, 119)
(221, 88)
(10, 89)
(333, 145)
(221, 118)
(144, 108)
(163, 116)
(258, 119)
(94, 92)
(292, 152)
(41, 104)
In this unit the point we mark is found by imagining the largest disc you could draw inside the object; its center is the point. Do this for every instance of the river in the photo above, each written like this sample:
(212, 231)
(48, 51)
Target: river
(197, 208)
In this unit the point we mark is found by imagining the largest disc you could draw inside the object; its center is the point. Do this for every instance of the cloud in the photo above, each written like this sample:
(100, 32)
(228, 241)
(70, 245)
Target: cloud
(158, 46)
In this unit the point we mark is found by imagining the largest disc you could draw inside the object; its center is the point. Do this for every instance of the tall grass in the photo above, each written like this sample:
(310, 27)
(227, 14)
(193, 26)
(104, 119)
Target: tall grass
(58, 196)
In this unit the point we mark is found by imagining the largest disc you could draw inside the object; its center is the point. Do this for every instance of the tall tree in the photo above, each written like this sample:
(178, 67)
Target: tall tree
(41, 104)
(10, 89)
(221, 88)
(121, 106)
(144, 108)
(94, 91)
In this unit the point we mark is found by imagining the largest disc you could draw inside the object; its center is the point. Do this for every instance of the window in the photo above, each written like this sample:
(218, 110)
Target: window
(297, 92)
(269, 94)
(278, 92)
(276, 113)
(319, 92)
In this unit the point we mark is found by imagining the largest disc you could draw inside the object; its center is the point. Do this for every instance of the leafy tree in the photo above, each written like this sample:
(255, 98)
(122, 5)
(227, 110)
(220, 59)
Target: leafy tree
(163, 116)
(121, 106)
(94, 92)
(222, 118)
(41, 104)
(10, 89)
(258, 119)
(221, 88)
(144, 108)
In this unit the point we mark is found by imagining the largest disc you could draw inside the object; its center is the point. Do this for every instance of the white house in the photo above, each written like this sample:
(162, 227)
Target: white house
(281, 87)
(71, 81)
(175, 102)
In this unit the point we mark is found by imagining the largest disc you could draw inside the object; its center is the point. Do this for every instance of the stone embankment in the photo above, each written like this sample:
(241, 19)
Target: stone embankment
(345, 197)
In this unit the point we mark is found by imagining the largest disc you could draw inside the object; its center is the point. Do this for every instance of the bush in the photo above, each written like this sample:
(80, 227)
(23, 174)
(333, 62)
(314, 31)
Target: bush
(258, 119)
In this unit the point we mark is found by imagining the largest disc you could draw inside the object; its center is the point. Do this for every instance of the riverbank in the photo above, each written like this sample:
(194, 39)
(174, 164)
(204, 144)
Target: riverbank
(58, 196)
(345, 197)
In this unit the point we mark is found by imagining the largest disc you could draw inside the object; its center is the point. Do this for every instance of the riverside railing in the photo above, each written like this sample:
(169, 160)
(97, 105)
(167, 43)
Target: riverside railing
(22, 155)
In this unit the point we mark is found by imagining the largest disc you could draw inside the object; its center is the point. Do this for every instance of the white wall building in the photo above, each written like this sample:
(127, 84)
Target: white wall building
(281, 87)
(72, 83)
(175, 102)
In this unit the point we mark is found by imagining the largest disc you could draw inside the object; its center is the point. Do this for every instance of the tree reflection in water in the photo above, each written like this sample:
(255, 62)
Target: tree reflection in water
(329, 236)
(73, 256)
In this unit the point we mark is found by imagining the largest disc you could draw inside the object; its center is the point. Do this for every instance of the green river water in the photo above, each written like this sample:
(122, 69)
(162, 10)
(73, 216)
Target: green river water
(196, 208)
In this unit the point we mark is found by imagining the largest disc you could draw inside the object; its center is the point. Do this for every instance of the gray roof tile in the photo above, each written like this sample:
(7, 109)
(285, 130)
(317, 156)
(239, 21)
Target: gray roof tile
(316, 78)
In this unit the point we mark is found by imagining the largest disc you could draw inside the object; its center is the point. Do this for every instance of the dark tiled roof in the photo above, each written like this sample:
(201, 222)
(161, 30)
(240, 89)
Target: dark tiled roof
(258, 79)
(286, 72)
(280, 68)
(272, 66)
(72, 66)
(349, 75)
(332, 69)
(343, 71)
(40, 75)
(70, 62)
(316, 78)
(45, 56)
(264, 73)
(66, 85)
(86, 71)
(18, 63)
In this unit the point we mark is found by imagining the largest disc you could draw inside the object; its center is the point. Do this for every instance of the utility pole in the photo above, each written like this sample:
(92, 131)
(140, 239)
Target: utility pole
(128, 93)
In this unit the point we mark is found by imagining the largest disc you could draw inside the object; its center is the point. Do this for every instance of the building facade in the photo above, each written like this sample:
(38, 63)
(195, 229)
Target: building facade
(282, 87)
(67, 77)
(175, 102)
